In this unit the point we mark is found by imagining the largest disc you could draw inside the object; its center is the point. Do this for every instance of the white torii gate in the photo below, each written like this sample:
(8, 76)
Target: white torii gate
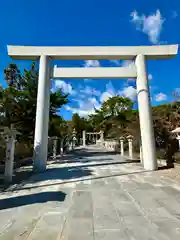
(101, 134)
(138, 53)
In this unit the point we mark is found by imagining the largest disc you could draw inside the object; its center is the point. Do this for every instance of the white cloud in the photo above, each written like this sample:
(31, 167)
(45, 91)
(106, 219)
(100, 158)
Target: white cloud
(85, 108)
(150, 77)
(129, 92)
(177, 90)
(127, 63)
(66, 87)
(91, 63)
(116, 62)
(110, 92)
(105, 96)
(176, 94)
(150, 25)
(110, 88)
(160, 97)
(92, 99)
(90, 91)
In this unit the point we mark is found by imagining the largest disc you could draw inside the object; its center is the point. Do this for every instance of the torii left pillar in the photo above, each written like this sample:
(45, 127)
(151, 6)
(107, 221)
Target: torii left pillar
(42, 116)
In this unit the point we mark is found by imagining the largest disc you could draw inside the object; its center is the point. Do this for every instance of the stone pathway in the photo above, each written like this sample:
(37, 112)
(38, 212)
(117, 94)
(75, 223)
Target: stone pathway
(92, 195)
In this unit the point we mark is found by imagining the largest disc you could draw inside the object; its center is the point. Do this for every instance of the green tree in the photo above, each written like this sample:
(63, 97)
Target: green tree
(80, 124)
(18, 101)
(113, 116)
(58, 127)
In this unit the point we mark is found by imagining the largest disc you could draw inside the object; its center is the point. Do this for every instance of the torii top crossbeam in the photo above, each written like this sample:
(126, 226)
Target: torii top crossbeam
(93, 53)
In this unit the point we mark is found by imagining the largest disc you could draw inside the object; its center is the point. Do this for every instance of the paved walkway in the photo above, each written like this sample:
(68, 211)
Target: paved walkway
(92, 195)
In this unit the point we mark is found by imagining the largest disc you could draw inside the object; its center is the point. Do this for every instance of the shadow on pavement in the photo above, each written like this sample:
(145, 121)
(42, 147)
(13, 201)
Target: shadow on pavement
(31, 199)
(83, 152)
(62, 173)
(84, 179)
(70, 172)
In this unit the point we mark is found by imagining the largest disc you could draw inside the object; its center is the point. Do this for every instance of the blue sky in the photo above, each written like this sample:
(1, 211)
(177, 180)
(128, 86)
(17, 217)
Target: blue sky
(98, 23)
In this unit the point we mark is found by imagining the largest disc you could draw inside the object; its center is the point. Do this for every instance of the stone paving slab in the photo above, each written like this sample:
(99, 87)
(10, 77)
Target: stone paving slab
(49, 226)
(95, 195)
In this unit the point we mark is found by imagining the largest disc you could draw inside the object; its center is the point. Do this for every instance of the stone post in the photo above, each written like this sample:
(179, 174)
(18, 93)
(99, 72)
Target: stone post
(114, 146)
(145, 115)
(111, 146)
(61, 146)
(54, 147)
(122, 145)
(93, 139)
(71, 145)
(130, 138)
(102, 137)
(68, 145)
(9, 164)
(42, 116)
(84, 138)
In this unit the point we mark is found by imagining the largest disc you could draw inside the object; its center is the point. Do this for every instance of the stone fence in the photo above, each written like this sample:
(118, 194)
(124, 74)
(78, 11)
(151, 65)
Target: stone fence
(118, 146)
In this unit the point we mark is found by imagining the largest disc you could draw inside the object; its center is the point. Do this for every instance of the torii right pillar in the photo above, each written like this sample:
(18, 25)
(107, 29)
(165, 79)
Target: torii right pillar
(145, 115)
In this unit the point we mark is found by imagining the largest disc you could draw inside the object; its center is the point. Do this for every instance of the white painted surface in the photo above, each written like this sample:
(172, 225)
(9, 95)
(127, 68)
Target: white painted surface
(42, 116)
(92, 52)
(120, 72)
(145, 115)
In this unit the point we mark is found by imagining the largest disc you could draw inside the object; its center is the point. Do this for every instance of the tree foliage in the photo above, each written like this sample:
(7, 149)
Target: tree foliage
(80, 124)
(18, 100)
(113, 116)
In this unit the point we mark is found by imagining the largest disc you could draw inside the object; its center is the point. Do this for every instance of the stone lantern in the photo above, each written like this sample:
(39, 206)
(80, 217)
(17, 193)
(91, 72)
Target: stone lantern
(10, 136)
(130, 139)
(74, 139)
